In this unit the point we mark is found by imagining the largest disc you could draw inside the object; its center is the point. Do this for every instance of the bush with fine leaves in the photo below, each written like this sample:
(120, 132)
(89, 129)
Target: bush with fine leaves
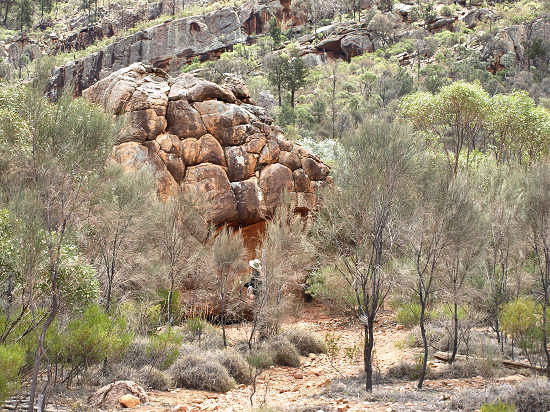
(153, 378)
(305, 341)
(195, 371)
(235, 365)
(283, 352)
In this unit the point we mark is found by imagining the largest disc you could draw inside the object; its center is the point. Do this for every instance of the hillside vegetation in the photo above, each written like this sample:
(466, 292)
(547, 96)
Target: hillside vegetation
(435, 123)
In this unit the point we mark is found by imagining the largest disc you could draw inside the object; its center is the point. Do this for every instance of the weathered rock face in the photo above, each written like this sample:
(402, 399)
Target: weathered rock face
(197, 135)
(512, 40)
(167, 46)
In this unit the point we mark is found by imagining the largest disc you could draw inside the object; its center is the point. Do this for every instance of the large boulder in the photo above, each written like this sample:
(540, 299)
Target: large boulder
(208, 139)
(211, 182)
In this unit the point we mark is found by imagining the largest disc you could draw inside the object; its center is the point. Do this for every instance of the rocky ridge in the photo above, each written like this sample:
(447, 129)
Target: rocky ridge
(198, 135)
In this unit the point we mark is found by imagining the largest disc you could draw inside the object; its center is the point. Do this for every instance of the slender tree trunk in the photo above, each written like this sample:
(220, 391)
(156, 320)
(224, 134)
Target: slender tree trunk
(367, 354)
(39, 350)
(425, 343)
(545, 333)
(170, 292)
(292, 97)
(6, 13)
(108, 293)
(279, 91)
(223, 323)
(455, 333)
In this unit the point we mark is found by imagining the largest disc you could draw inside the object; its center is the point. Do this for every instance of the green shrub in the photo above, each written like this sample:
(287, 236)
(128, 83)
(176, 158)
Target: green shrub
(521, 320)
(197, 372)
(283, 352)
(163, 348)
(408, 314)
(12, 358)
(497, 407)
(93, 337)
(306, 342)
(153, 378)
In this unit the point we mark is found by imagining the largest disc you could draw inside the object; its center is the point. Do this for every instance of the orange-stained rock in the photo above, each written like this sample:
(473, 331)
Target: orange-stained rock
(290, 160)
(132, 156)
(142, 125)
(165, 142)
(212, 184)
(208, 138)
(190, 151)
(249, 198)
(240, 163)
(269, 153)
(301, 181)
(206, 90)
(184, 120)
(274, 180)
(129, 401)
(210, 151)
(255, 143)
(315, 170)
(220, 118)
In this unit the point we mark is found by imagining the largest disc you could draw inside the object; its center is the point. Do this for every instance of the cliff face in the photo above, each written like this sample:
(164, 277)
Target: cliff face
(167, 46)
(209, 138)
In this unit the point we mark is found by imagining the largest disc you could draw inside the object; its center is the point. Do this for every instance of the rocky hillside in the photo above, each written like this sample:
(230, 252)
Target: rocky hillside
(210, 138)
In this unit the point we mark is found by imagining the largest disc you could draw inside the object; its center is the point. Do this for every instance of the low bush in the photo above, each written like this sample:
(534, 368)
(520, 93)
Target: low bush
(235, 364)
(153, 378)
(160, 350)
(306, 342)
(197, 372)
(533, 395)
(203, 334)
(404, 370)
(283, 352)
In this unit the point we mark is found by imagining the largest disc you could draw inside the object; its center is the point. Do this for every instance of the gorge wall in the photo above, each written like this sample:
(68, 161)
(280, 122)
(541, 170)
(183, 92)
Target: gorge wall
(195, 134)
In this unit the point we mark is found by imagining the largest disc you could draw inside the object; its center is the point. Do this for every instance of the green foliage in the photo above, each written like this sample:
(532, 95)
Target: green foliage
(275, 32)
(497, 407)
(408, 314)
(12, 358)
(325, 285)
(163, 347)
(521, 320)
(92, 338)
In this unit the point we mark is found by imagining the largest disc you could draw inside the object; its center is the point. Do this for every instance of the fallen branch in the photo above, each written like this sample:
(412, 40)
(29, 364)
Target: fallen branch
(513, 364)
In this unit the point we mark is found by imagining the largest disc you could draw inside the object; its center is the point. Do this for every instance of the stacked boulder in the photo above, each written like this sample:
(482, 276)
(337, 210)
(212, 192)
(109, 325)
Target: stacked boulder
(195, 134)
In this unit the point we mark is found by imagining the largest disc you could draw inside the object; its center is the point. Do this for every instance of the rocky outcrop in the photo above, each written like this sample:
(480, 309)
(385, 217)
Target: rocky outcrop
(256, 16)
(513, 40)
(168, 46)
(472, 17)
(109, 396)
(342, 41)
(210, 139)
